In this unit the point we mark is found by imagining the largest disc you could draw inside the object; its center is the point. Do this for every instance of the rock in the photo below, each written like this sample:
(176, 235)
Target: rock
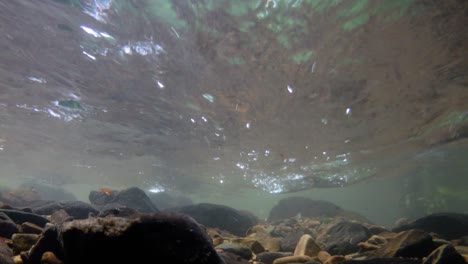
(237, 249)
(23, 242)
(250, 243)
(407, 244)
(292, 259)
(383, 261)
(48, 242)
(375, 229)
(8, 228)
(323, 256)
(50, 258)
(269, 257)
(307, 246)
(289, 242)
(30, 228)
(48, 191)
(133, 197)
(20, 217)
(342, 238)
(292, 206)
(447, 225)
(160, 237)
(445, 254)
(462, 249)
(76, 209)
(335, 260)
(6, 255)
(231, 258)
(163, 200)
(60, 216)
(20, 197)
(223, 217)
(115, 209)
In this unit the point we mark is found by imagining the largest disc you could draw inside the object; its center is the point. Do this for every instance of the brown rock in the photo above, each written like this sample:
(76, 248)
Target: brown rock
(307, 246)
(323, 256)
(407, 244)
(366, 246)
(335, 259)
(292, 259)
(60, 216)
(23, 242)
(377, 240)
(30, 228)
(6, 256)
(50, 258)
(251, 243)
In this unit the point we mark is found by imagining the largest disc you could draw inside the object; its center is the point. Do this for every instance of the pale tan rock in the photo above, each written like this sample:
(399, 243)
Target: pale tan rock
(377, 240)
(251, 243)
(335, 259)
(292, 259)
(17, 259)
(23, 242)
(307, 246)
(323, 256)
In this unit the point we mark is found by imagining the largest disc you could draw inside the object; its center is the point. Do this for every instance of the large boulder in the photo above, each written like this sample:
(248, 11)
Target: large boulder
(221, 216)
(446, 225)
(133, 197)
(342, 238)
(158, 238)
(164, 200)
(306, 207)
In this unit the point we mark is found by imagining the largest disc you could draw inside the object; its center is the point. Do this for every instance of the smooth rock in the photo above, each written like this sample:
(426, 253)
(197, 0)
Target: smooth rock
(384, 261)
(20, 217)
(23, 242)
(60, 216)
(223, 217)
(269, 257)
(30, 228)
(115, 209)
(445, 254)
(48, 242)
(342, 238)
(50, 258)
(237, 249)
(447, 225)
(165, 238)
(407, 244)
(251, 243)
(292, 259)
(133, 197)
(231, 258)
(164, 200)
(462, 249)
(6, 254)
(76, 209)
(292, 206)
(307, 246)
(335, 260)
(323, 256)
(290, 240)
(8, 228)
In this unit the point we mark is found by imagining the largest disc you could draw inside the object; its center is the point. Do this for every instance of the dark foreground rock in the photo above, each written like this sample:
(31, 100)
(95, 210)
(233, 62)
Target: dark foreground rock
(342, 238)
(158, 238)
(446, 225)
(408, 244)
(20, 217)
(383, 261)
(223, 217)
(445, 254)
(133, 197)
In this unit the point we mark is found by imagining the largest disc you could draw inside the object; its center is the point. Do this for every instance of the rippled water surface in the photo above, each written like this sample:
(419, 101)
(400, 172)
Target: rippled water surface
(270, 95)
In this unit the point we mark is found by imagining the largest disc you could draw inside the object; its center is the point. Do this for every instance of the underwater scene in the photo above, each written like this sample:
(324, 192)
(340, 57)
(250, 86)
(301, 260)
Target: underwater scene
(234, 131)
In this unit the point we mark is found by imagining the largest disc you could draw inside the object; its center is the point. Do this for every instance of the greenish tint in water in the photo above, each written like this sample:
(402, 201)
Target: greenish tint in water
(302, 56)
(72, 104)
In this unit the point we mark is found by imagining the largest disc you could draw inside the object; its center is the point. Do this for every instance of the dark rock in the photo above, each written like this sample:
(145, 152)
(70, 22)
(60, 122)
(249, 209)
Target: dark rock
(163, 200)
(133, 197)
(170, 238)
(223, 217)
(237, 249)
(20, 217)
(50, 258)
(447, 225)
(231, 258)
(6, 255)
(342, 238)
(445, 254)
(119, 210)
(30, 228)
(292, 206)
(8, 228)
(60, 216)
(76, 209)
(269, 257)
(408, 244)
(289, 242)
(383, 261)
(48, 242)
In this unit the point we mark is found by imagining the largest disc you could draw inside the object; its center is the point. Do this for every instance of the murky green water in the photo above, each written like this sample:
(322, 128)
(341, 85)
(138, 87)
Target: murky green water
(362, 102)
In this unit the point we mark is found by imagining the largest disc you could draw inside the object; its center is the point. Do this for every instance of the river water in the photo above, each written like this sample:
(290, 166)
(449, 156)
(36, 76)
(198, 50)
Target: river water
(236, 100)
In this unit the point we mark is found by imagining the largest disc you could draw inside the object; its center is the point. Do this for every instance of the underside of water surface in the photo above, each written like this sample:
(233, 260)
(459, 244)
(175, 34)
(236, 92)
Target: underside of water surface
(355, 100)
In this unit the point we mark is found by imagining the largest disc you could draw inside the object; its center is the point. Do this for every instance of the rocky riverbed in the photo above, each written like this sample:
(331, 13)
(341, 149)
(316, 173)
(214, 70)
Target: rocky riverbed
(125, 226)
